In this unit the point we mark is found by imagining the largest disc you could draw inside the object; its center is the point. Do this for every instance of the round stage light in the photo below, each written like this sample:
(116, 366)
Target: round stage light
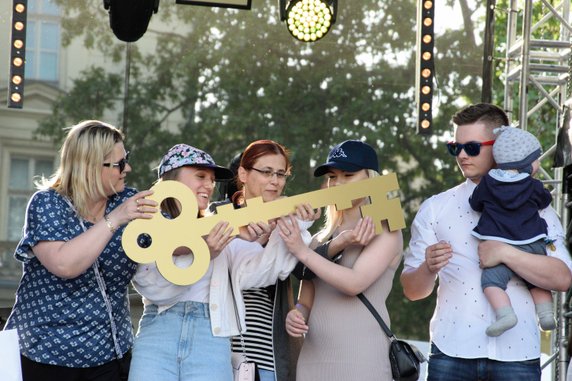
(16, 97)
(309, 20)
(16, 80)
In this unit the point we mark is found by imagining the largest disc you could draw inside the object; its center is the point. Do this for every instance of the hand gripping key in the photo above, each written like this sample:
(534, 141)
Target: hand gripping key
(187, 230)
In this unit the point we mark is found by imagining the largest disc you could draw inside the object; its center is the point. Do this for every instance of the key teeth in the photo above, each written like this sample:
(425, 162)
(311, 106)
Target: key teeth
(385, 209)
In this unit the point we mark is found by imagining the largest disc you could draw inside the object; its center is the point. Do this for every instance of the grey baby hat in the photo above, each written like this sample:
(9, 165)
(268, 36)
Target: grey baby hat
(515, 148)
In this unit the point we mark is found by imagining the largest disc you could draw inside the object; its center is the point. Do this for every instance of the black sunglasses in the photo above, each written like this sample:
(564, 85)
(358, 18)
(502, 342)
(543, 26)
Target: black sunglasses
(471, 148)
(121, 163)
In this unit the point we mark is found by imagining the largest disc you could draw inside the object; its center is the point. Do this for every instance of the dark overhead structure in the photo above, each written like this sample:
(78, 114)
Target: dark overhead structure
(17, 54)
(129, 18)
(425, 67)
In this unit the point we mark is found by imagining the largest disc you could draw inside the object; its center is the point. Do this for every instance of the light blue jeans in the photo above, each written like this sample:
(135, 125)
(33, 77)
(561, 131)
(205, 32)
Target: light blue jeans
(177, 345)
(266, 375)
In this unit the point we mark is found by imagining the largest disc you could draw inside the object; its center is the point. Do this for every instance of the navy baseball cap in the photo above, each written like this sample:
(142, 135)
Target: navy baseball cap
(351, 156)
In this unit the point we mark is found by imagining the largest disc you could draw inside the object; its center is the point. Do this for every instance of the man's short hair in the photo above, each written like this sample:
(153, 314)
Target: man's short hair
(492, 116)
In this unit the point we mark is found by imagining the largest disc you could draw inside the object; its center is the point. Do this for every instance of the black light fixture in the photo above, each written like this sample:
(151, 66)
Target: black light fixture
(238, 4)
(129, 19)
(17, 54)
(425, 67)
(308, 20)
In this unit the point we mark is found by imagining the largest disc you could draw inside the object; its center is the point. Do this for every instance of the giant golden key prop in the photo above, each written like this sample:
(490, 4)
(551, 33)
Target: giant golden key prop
(187, 230)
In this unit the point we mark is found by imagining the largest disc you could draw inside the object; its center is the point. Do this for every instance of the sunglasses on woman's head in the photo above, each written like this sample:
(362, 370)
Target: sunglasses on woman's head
(471, 148)
(121, 163)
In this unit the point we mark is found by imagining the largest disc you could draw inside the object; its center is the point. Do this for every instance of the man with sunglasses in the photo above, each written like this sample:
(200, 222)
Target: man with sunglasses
(443, 248)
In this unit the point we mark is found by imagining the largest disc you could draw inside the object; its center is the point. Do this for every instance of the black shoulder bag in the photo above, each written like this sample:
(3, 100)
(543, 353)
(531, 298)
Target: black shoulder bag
(405, 358)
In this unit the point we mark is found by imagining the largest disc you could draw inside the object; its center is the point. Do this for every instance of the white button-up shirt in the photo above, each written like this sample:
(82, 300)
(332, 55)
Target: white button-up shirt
(462, 313)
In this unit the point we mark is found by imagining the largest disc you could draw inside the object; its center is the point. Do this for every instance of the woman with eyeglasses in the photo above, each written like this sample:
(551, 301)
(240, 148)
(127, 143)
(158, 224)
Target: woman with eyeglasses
(71, 309)
(343, 340)
(184, 333)
(263, 171)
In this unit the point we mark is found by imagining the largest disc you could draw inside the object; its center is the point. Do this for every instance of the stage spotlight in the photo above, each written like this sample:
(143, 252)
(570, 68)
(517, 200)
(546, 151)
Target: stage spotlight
(129, 18)
(309, 20)
(425, 67)
(17, 54)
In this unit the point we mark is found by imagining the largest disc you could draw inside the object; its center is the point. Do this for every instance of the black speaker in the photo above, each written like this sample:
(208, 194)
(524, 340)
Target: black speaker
(129, 18)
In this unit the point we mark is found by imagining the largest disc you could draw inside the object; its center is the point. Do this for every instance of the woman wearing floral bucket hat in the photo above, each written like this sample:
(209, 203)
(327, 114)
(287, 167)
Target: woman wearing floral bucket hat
(184, 333)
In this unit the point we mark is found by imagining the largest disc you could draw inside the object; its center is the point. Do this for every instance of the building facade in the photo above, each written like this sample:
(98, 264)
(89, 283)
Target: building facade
(50, 69)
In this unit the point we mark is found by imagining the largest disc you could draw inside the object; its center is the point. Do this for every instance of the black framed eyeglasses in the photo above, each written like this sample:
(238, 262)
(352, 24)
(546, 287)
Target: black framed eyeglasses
(121, 163)
(280, 175)
(471, 148)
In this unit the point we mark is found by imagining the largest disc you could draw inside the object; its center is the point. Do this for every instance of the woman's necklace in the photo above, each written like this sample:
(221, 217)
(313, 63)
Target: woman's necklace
(97, 211)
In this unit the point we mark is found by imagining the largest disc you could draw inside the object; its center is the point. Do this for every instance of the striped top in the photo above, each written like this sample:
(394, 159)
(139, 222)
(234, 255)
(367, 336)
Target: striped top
(258, 335)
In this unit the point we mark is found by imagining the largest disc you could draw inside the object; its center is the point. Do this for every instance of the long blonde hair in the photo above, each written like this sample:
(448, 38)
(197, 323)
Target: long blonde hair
(334, 217)
(78, 176)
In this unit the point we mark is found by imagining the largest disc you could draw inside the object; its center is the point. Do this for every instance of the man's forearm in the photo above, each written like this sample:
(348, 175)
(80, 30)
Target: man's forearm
(418, 283)
(542, 271)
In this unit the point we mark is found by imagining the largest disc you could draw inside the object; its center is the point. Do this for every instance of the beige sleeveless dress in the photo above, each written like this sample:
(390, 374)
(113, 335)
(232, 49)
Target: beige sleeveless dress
(344, 341)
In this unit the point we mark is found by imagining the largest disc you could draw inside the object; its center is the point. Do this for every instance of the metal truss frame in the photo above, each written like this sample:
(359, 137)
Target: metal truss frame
(542, 64)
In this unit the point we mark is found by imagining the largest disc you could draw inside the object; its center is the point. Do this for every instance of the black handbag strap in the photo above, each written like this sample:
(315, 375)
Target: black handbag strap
(377, 317)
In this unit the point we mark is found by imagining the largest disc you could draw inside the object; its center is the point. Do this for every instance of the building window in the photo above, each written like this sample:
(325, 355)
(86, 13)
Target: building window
(43, 41)
(23, 172)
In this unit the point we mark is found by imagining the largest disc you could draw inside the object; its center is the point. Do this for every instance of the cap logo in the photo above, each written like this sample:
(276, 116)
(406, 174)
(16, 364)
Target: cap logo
(337, 153)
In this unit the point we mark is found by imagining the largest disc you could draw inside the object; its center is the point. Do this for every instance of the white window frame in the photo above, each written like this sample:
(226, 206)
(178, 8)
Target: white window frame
(34, 52)
(33, 159)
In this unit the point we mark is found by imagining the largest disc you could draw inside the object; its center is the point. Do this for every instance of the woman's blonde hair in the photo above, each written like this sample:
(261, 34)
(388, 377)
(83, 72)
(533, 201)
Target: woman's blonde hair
(83, 152)
(334, 217)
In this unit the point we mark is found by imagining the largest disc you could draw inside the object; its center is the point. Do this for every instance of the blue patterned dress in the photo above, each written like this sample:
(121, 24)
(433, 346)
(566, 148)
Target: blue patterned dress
(64, 321)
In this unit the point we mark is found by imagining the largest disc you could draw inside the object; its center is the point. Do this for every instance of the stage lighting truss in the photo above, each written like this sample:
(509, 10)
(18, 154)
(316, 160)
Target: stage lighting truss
(17, 54)
(425, 67)
(309, 20)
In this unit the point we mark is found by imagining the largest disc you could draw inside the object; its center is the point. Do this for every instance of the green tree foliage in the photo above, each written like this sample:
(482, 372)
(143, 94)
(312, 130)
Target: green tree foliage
(88, 99)
(236, 76)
